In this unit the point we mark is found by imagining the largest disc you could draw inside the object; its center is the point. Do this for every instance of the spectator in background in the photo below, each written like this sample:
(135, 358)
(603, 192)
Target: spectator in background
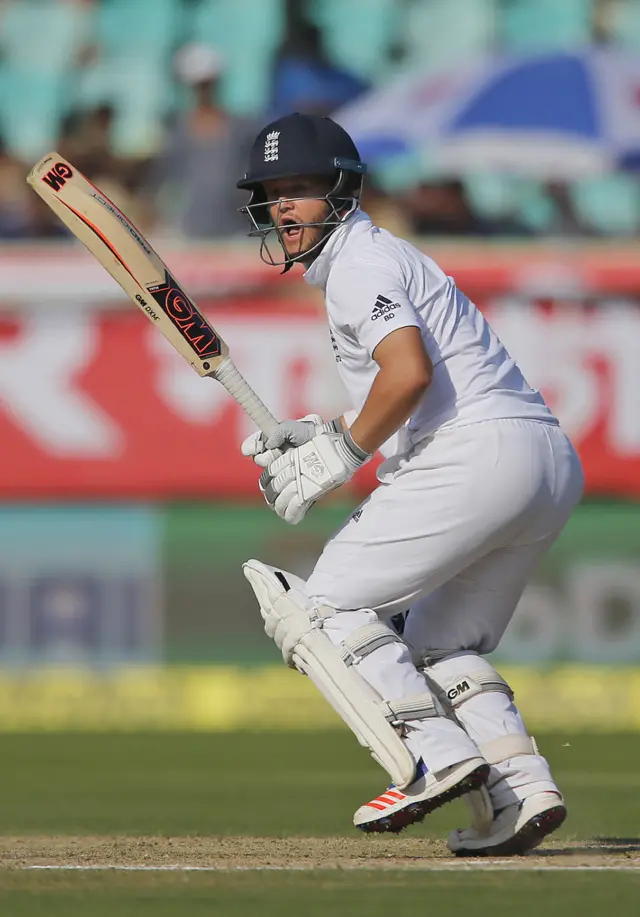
(86, 142)
(304, 78)
(204, 149)
(442, 208)
(22, 214)
(565, 220)
(15, 205)
(384, 209)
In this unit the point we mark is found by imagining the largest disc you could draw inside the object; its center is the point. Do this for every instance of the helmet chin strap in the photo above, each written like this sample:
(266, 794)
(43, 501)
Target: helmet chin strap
(307, 259)
(288, 262)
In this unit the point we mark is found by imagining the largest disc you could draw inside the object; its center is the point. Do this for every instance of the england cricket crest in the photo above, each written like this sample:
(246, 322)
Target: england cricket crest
(271, 146)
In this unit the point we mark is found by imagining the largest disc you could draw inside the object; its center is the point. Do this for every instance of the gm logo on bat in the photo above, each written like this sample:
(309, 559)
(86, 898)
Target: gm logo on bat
(57, 176)
(193, 327)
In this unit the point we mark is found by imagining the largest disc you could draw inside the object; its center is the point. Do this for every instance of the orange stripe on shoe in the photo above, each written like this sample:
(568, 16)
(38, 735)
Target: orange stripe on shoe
(395, 795)
(374, 805)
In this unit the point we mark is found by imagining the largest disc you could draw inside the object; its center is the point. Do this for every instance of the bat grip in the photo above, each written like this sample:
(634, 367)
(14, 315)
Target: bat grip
(228, 375)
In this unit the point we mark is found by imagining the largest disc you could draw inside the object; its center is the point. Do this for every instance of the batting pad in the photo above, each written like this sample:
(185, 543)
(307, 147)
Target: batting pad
(296, 627)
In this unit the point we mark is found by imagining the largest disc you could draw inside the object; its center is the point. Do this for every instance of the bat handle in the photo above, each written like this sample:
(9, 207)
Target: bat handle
(228, 375)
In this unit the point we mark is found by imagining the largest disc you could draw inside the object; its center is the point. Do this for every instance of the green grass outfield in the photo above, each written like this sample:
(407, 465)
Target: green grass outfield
(367, 894)
(237, 801)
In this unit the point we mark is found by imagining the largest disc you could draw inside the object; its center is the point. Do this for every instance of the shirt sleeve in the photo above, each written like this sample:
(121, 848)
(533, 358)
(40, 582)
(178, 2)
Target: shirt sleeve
(371, 302)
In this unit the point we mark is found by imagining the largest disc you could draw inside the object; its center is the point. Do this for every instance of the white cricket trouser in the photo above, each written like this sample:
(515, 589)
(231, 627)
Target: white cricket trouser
(453, 534)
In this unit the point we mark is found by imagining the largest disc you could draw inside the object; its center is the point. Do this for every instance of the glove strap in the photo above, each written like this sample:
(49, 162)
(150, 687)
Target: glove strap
(332, 426)
(350, 452)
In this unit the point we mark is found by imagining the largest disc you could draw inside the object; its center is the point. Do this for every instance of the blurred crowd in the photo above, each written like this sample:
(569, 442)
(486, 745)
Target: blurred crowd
(158, 101)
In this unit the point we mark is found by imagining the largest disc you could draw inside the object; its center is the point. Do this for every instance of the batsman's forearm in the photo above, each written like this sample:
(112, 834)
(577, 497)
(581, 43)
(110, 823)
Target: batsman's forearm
(390, 402)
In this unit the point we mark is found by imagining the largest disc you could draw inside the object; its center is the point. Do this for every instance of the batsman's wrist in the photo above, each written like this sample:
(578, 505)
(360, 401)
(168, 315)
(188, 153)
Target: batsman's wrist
(348, 449)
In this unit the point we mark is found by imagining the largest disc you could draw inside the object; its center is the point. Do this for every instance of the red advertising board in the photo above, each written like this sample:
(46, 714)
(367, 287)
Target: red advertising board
(95, 404)
(38, 274)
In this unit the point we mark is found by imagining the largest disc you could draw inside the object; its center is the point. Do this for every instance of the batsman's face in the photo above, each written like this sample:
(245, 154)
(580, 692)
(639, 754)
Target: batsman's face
(297, 201)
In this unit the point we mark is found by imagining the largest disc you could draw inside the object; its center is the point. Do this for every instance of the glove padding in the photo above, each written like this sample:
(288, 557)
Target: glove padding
(266, 449)
(295, 480)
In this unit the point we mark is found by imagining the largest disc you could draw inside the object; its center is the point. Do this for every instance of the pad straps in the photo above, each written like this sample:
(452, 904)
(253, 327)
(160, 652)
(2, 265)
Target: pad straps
(412, 707)
(509, 746)
(368, 639)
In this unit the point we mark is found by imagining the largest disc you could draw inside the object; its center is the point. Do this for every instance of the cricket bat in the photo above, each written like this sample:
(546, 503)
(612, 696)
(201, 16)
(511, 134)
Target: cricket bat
(125, 253)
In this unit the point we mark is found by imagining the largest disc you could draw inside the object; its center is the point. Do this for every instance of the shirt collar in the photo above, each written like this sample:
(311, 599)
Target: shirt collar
(317, 273)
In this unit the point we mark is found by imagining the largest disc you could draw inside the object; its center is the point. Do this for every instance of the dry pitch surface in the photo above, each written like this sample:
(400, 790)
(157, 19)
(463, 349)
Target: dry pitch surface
(299, 854)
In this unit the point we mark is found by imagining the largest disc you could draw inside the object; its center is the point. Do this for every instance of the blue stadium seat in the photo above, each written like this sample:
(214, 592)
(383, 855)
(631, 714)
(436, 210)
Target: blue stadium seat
(133, 70)
(240, 24)
(39, 40)
(439, 34)
(140, 90)
(138, 126)
(531, 25)
(533, 206)
(44, 34)
(33, 105)
(399, 173)
(145, 24)
(247, 32)
(492, 195)
(611, 204)
(358, 34)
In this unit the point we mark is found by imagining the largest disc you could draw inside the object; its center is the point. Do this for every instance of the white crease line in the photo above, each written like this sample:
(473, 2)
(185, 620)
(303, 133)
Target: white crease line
(490, 866)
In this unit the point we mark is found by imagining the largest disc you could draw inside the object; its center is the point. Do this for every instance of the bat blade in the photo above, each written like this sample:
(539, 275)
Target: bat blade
(125, 253)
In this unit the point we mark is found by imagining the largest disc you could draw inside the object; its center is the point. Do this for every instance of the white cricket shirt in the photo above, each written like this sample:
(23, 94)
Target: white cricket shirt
(373, 283)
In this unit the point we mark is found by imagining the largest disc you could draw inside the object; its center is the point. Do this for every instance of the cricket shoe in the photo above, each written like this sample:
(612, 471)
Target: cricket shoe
(397, 809)
(516, 828)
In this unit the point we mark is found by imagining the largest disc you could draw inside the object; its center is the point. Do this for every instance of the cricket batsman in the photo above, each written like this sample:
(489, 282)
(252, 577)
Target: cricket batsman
(478, 480)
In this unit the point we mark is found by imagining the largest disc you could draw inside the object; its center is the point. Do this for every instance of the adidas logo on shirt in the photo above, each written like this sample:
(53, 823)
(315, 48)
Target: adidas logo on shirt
(384, 308)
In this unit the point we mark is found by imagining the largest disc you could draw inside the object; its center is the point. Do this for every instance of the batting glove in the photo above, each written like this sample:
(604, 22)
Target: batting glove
(305, 473)
(266, 449)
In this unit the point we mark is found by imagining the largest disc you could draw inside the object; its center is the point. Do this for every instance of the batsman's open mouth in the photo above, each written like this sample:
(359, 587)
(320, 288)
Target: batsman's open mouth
(291, 229)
